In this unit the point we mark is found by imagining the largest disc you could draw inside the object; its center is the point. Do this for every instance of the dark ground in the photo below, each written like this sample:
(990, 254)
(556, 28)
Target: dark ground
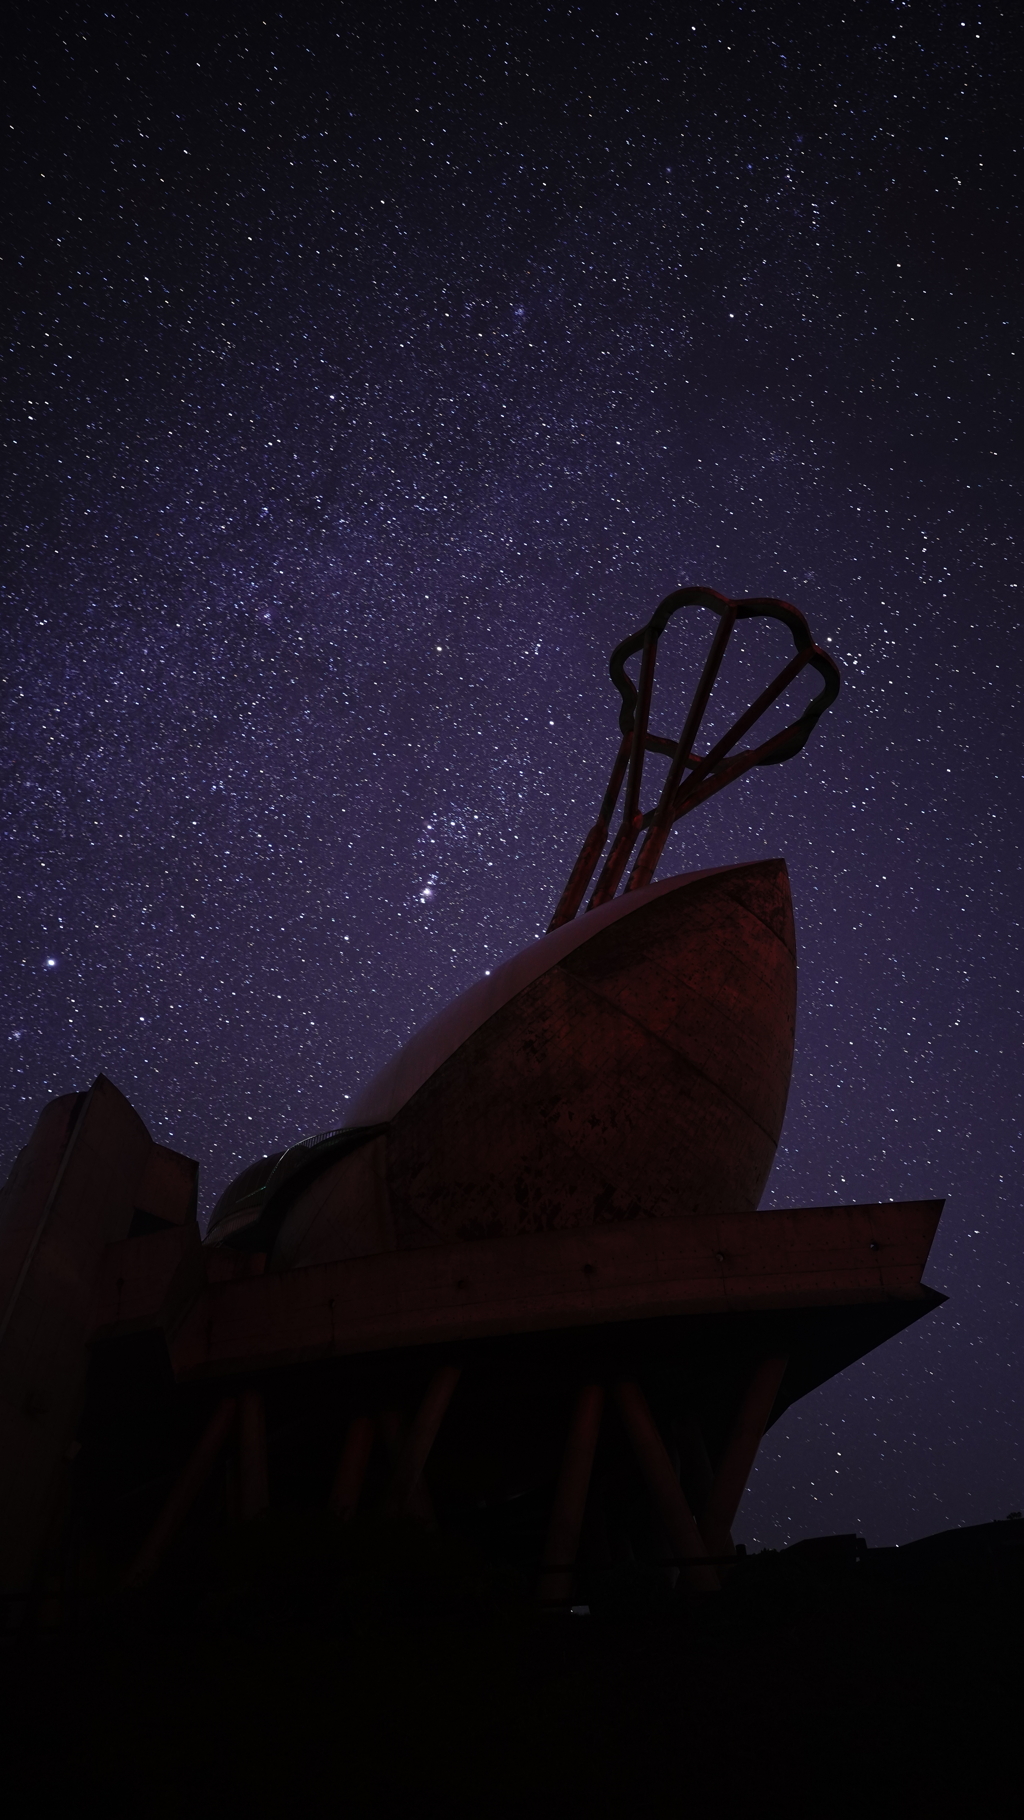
(264, 1687)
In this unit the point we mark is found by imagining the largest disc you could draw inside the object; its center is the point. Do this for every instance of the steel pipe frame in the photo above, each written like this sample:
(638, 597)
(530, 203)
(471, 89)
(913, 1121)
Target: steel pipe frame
(709, 774)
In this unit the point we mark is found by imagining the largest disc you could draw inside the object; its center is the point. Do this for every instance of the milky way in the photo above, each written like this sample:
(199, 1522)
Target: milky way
(366, 386)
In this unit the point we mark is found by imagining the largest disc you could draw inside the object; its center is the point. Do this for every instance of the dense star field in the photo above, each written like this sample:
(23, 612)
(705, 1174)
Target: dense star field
(371, 372)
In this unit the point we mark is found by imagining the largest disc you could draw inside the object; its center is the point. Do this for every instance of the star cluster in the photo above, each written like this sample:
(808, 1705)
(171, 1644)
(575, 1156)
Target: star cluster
(370, 372)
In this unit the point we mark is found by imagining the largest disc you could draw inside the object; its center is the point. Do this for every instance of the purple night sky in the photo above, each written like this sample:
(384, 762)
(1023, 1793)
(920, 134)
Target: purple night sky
(371, 372)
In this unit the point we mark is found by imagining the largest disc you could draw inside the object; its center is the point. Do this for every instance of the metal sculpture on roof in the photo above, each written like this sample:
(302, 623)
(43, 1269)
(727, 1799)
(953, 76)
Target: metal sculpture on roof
(680, 793)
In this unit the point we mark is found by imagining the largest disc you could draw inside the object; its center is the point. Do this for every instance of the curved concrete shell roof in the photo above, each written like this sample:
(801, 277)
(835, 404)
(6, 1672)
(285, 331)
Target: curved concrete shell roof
(406, 1072)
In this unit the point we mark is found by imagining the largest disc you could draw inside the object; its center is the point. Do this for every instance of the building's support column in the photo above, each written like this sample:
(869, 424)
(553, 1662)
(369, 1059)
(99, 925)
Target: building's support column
(351, 1470)
(669, 1497)
(392, 1430)
(566, 1520)
(253, 1489)
(734, 1467)
(695, 1472)
(183, 1494)
(415, 1447)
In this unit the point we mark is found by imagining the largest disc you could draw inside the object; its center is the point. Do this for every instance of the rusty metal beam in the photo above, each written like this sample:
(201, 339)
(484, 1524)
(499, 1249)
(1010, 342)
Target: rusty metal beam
(592, 848)
(664, 815)
(566, 1519)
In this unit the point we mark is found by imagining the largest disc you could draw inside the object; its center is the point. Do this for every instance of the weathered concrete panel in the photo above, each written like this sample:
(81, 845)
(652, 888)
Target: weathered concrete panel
(805, 1257)
(71, 1194)
(644, 1075)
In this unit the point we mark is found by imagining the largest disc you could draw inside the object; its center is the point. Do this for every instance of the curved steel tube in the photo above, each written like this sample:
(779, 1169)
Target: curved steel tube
(680, 792)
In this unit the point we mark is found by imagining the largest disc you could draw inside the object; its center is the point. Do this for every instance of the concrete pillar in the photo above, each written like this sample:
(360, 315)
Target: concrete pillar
(566, 1520)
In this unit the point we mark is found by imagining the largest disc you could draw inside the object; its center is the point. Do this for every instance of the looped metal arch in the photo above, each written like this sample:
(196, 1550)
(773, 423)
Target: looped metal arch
(680, 792)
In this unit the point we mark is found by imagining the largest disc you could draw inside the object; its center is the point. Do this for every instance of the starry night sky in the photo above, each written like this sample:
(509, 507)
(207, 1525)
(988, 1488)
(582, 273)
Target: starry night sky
(371, 372)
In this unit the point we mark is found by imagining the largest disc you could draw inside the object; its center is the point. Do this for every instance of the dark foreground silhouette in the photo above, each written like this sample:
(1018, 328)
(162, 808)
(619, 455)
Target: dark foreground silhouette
(294, 1669)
